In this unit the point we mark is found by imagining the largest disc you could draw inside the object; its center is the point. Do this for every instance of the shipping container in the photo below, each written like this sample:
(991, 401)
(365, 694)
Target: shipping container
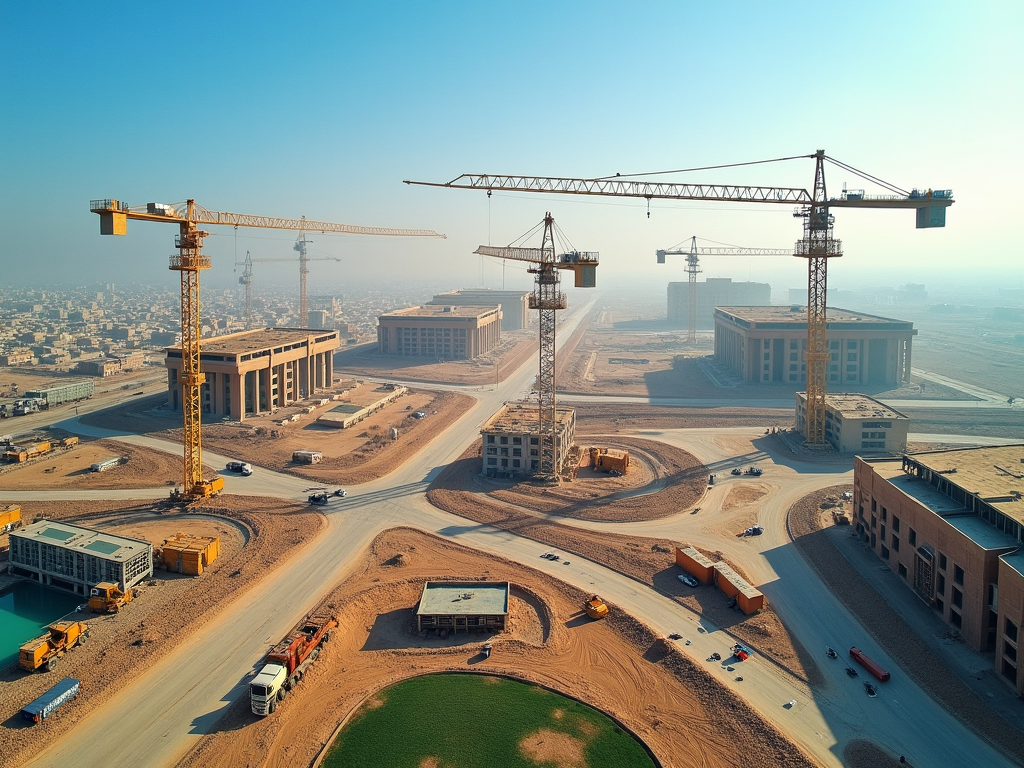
(63, 393)
(859, 656)
(43, 707)
(307, 457)
(102, 466)
(695, 564)
(748, 598)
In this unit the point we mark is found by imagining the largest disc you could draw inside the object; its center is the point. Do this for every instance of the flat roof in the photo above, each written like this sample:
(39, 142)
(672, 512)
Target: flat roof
(259, 339)
(441, 311)
(1015, 560)
(523, 417)
(495, 292)
(106, 546)
(855, 406)
(785, 315)
(472, 598)
(981, 532)
(921, 491)
(993, 473)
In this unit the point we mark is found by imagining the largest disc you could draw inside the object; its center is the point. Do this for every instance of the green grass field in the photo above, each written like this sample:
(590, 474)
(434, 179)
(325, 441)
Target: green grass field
(463, 721)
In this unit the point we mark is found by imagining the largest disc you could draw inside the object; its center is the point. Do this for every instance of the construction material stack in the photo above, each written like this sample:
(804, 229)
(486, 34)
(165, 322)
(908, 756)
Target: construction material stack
(42, 653)
(288, 661)
(107, 597)
(184, 553)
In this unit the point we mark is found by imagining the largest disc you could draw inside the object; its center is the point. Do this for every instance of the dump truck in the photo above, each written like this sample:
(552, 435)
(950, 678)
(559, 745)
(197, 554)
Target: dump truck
(595, 607)
(44, 706)
(107, 597)
(10, 517)
(42, 653)
(288, 661)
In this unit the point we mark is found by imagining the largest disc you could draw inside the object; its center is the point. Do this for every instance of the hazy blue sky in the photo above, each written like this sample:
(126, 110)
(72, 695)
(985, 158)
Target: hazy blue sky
(322, 109)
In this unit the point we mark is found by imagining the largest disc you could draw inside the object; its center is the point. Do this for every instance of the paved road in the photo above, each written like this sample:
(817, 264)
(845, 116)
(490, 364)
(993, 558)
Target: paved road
(195, 687)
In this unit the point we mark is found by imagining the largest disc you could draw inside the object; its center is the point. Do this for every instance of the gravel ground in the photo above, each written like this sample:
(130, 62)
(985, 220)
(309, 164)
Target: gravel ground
(888, 628)
(649, 561)
(680, 711)
(168, 609)
(866, 754)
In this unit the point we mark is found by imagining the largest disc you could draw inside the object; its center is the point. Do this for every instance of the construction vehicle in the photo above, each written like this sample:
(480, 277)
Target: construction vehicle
(609, 460)
(28, 405)
(51, 397)
(595, 607)
(319, 499)
(547, 299)
(189, 262)
(288, 661)
(42, 653)
(107, 597)
(817, 245)
(692, 269)
(17, 455)
(45, 705)
(69, 442)
(10, 517)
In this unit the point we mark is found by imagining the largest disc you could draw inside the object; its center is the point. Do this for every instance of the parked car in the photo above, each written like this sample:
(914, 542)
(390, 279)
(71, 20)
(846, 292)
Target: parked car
(737, 471)
(240, 467)
(688, 580)
(419, 415)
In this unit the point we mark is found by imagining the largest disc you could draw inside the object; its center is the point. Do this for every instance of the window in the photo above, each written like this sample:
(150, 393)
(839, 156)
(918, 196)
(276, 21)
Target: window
(958, 598)
(1010, 671)
(534, 441)
(517, 451)
(903, 570)
(793, 356)
(885, 516)
(517, 441)
(851, 357)
(515, 463)
(1009, 630)
(956, 619)
(504, 451)
(504, 440)
(912, 537)
(885, 552)
(504, 462)
(1009, 652)
(874, 522)
(942, 562)
(492, 462)
(767, 356)
(895, 543)
(896, 525)
(958, 575)
(874, 505)
(492, 450)
(940, 585)
(881, 533)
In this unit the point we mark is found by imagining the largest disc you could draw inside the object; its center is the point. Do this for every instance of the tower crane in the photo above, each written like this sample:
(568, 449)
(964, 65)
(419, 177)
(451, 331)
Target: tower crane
(817, 245)
(548, 299)
(303, 271)
(189, 261)
(692, 268)
(246, 280)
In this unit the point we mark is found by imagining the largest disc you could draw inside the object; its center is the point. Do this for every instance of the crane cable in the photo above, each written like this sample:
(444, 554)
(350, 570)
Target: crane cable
(704, 168)
(868, 177)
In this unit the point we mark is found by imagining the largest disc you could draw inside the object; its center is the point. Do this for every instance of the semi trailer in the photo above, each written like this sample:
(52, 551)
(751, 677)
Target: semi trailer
(287, 662)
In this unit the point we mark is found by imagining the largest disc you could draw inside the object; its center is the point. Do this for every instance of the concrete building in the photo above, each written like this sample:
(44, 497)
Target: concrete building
(711, 293)
(442, 332)
(950, 524)
(77, 559)
(515, 305)
(110, 366)
(858, 423)
(511, 440)
(253, 372)
(450, 606)
(767, 344)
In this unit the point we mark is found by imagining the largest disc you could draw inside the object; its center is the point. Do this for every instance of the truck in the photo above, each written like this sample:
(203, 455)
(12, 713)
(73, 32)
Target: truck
(595, 607)
(287, 662)
(28, 405)
(59, 394)
(16, 454)
(10, 517)
(44, 706)
(42, 653)
(871, 666)
(107, 597)
(319, 498)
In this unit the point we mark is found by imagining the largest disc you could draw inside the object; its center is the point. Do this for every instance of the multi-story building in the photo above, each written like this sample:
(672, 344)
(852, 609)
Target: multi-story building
(951, 525)
(443, 332)
(75, 558)
(711, 293)
(515, 305)
(511, 440)
(768, 344)
(858, 423)
(253, 372)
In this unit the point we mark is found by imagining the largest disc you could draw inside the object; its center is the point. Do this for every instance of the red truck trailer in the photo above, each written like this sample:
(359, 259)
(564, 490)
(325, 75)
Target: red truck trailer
(859, 656)
(299, 643)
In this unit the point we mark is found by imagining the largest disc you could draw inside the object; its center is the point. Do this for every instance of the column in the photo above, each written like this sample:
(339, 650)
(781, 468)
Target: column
(330, 368)
(237, 381)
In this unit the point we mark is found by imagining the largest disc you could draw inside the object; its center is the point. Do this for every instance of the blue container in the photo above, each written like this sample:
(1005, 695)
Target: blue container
(43, 707)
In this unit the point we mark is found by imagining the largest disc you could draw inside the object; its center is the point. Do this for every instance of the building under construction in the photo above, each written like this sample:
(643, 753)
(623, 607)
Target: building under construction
(511, 440)
(769, 344)
(254, 372)
(711, 293)
(514, 304)
(443, 332)
(950, 524)
(857, 423)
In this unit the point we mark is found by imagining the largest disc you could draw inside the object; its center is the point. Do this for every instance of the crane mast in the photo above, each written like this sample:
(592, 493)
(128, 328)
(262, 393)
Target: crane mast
(693, 269)
(190, 261)
(300, 246)
(817, 245)
(246, 280)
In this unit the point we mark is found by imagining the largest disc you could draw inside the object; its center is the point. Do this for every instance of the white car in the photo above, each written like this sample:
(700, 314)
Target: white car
(688, 580)
(240, 467)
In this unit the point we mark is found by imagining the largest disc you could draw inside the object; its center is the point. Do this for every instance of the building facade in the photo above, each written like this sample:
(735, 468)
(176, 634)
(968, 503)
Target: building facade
(768, 344)
(466, 606)
(511, 440)
(77, 559)
(858, 423)
(254, 372)
(515, 305)
(442, 332)
(711, 293)
(950, 524)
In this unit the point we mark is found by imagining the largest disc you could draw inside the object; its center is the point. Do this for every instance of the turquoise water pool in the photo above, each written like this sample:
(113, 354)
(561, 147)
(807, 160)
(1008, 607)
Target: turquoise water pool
(25, 608)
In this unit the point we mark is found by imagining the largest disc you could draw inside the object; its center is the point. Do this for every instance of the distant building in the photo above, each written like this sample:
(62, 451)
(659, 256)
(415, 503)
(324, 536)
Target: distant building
(110, 366)
(440, 332)
(514, 304)
(466, 606)
(511, 440)
(767, 344)
(711, 293)
(950, 524)
(16, 358)
(858, 424)
(253, 372)
(75, 558)
(911, 293)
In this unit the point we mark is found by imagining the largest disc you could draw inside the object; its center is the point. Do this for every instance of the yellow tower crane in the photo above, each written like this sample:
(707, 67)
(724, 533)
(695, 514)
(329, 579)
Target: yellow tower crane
(817, 244)
(303, 271)
(693, 268)
(547, 299)
(189, 261)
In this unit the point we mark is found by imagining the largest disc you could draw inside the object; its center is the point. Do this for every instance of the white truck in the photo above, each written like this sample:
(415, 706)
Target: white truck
(268, 688)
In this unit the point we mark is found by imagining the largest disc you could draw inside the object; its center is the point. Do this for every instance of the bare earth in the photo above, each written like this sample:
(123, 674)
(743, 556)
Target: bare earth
(650, 561)
(684, 715)
(256, 536)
